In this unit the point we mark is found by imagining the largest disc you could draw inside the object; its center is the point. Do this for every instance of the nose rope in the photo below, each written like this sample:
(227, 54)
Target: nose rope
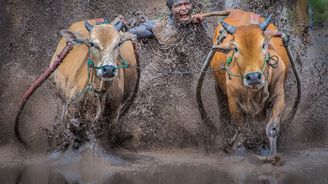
(229, 60)
(91, 65)
(124, 63)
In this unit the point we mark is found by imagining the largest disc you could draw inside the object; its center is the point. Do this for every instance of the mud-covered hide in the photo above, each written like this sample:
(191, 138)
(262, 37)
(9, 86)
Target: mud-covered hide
(165, 113)
(92, 105)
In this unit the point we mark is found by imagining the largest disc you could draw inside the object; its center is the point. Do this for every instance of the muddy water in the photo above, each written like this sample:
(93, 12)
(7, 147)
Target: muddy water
(174, 167)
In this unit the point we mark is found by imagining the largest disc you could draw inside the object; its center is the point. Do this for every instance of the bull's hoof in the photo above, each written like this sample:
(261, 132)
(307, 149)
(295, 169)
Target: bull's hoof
(273, 160)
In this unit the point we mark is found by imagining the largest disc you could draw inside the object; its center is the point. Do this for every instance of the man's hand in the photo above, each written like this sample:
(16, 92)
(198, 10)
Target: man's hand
(198, 18)
(120, 19)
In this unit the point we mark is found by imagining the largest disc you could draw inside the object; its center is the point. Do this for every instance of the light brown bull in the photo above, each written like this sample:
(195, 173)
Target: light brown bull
(247, 78)
(105, 44)
(107, 76)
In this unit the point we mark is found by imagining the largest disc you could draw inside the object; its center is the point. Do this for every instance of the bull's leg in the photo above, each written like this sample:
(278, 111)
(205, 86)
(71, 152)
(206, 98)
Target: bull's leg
(237, 117)
(272, 128)
(101, 101)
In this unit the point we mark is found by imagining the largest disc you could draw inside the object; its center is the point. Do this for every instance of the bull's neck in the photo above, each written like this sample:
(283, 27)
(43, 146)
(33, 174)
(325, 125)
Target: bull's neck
(253, 102)
(98, 85)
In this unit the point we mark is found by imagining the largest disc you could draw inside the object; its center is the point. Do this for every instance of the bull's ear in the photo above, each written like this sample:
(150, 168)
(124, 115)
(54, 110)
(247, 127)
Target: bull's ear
(269, 34)
(127, 36)
(74, 38)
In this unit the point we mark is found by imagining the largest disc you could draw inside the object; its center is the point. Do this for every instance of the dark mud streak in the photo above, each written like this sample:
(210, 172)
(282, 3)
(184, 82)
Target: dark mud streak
(4, 31)
(5, 44)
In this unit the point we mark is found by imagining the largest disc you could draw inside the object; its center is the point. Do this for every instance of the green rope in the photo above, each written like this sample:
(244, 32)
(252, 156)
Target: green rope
(125, 64)
(226, 67)
(91, 65)
(230, 59)
(104, 22)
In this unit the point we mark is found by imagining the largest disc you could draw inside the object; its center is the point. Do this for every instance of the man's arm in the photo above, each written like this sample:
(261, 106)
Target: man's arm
(197, 18)
(144, 30)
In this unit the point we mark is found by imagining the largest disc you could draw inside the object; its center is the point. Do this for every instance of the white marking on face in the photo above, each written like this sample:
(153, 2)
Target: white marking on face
(111, 52)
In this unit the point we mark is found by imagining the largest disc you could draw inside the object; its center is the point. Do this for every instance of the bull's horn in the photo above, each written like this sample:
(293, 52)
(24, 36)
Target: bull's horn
(88, 26)
(266, 23)
(229, 28)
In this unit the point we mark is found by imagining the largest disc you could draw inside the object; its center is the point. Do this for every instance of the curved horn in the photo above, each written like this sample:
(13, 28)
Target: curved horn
(266, 23)
(229, 28)
(88, 26)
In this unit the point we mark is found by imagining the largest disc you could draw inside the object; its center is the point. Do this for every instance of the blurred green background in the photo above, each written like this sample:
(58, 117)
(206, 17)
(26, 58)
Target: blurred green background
(319, 10)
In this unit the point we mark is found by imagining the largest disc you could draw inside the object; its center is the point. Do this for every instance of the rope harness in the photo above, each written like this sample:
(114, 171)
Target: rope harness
(267, 59)
(91, 66)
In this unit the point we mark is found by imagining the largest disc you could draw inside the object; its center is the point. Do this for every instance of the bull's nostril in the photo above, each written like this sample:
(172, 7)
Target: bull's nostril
(260, 76)
(248, 77)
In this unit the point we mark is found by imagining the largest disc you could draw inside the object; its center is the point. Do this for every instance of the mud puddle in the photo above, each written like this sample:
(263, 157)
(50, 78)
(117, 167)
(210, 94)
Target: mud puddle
(171, 167)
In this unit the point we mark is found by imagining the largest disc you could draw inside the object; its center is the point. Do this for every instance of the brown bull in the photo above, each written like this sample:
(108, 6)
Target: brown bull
(101, 62)
(252, 71)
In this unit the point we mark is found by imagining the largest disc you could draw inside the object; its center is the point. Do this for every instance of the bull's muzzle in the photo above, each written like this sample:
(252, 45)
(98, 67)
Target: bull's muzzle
(107, 71)
(254, 79)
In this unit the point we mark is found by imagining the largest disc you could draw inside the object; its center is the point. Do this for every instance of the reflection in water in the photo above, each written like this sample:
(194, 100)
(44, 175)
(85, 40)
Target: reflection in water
(142, 169)
(162, 174)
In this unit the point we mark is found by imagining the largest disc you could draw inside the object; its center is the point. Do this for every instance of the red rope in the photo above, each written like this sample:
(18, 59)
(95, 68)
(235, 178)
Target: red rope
(37, 83)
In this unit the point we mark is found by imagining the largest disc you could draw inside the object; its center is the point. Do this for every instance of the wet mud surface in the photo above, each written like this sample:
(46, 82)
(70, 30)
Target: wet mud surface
(170, 167)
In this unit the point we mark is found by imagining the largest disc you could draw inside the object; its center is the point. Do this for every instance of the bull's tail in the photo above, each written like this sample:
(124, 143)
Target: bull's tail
(37, 83)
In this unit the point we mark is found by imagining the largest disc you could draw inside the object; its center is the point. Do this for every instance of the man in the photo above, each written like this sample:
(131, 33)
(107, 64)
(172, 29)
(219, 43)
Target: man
(165, 112)
(180, 16)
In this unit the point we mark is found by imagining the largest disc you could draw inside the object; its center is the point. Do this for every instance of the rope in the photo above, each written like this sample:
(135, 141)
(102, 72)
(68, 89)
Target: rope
(266, 61)
(44, 76)
(91, 64)
(89, 87)
(125, 64)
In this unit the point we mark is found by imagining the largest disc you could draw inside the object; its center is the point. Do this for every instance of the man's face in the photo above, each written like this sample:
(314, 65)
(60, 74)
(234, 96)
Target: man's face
(182, 11)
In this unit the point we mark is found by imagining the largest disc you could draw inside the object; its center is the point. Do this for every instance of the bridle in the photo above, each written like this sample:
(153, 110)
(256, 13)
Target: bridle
(90, 61)
(91, 65)
(229, 60)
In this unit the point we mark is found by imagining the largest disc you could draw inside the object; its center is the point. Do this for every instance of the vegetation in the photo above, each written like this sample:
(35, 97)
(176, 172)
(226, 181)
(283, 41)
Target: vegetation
(319, 10)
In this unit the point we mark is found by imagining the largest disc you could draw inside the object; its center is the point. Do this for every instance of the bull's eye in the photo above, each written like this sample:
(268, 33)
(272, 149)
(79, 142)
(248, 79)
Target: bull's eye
(94, 45)
(264, 46)
(119, 44)
(91, 44)
(235, 50)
